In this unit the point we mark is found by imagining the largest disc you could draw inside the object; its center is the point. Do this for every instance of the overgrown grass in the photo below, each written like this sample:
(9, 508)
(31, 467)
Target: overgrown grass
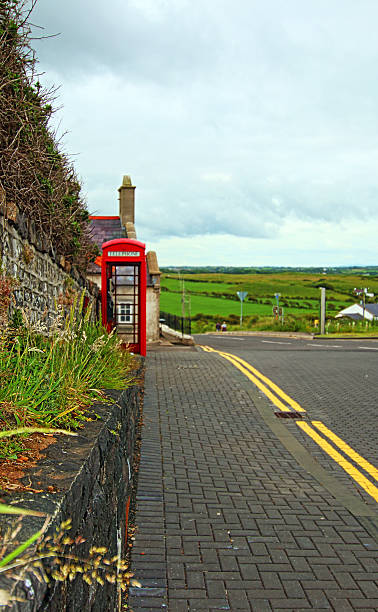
(253, 323)
(50, 380)
(206, 323)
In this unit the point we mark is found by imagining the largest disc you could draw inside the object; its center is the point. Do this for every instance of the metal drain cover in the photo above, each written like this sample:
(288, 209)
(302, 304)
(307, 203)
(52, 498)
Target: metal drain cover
(289, 415)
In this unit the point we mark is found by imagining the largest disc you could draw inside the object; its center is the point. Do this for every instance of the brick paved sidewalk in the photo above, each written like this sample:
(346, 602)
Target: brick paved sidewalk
(227, 518)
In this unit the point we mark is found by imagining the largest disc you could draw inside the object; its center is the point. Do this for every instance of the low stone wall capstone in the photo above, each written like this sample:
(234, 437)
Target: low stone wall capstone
(87, 479)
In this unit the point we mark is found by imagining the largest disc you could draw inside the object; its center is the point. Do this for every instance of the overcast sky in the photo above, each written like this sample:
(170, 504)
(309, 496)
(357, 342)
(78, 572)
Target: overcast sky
(249, 127)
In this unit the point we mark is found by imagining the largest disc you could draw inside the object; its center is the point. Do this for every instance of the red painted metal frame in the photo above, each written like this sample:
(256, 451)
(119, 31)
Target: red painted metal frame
(103, 217)
(127, 245)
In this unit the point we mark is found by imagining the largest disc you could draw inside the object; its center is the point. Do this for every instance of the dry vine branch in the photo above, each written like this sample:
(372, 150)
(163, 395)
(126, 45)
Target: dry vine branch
(34, 172)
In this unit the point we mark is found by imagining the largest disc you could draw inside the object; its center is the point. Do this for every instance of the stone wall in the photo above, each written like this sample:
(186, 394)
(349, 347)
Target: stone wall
(88, 479)
(42, 274)
(153, 298)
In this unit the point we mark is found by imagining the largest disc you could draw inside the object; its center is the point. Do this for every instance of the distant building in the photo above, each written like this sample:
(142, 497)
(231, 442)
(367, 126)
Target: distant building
(356, 312)
(104, 228)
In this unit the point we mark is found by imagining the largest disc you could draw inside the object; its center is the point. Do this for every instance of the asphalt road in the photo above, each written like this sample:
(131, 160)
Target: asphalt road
(334, 382)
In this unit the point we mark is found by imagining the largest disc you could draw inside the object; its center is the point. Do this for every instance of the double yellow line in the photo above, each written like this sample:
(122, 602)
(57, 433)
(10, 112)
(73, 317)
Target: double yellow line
(277, 396)
(349, 468)
(261, 381)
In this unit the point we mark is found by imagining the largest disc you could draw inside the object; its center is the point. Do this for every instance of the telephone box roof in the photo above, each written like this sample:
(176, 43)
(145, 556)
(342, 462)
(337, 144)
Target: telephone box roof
(125, 241)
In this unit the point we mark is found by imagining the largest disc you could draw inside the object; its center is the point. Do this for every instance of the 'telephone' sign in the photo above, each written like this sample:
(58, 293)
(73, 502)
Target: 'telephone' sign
(123, 254)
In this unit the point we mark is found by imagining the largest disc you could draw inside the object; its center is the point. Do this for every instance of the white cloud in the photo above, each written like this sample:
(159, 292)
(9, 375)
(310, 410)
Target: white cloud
(234, 119)
(216, 177)
(296, 243)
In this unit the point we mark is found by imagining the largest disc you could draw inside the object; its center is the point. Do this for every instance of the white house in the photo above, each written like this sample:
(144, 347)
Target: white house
(356, 312)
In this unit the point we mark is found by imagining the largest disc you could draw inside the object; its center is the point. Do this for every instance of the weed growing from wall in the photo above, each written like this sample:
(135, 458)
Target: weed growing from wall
(49, 378)
(58, 558)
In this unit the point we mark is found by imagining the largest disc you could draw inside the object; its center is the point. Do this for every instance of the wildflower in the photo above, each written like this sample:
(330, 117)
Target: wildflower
(98, 344)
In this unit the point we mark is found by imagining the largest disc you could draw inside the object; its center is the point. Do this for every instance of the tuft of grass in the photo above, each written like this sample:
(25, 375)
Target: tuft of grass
(50, 378)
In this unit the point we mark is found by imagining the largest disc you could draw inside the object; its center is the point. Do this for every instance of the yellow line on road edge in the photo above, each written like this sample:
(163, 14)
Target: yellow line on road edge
(255, 380)
(336, 456)
(368, 467)
(261, 376)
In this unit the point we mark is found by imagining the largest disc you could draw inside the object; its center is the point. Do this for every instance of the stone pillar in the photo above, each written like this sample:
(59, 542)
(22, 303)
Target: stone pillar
(153, 298)
(127, 201)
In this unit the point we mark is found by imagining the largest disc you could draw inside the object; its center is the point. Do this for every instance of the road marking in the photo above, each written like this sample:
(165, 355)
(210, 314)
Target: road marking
(348, 467)
(336, 456)
(257, 382)
(258, 378)
(274, 342)
(368, 467)
(325, 345)
(368, 348)
(225, 337)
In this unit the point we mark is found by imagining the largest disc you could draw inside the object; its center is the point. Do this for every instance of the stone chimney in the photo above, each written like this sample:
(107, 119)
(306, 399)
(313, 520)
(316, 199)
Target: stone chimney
(127, 201)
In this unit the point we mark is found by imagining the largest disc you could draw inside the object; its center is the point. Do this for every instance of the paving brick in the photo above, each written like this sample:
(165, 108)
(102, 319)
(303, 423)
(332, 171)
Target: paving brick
(195, 580)
(215, 588)
(293, 589)
(248, 571)
(259, 605)
(270, 580)
(289, 604)
(369, 589)
(229, 564)
(368, 604)
(345, 581)
(341, 605)
(236, 523)
(318, 599)
(178, 605)
(148, 603)
(188, 593)
(238, 600)
(208, 604)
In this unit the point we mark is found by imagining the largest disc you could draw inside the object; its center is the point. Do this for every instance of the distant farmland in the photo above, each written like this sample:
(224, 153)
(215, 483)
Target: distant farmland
(216, 293)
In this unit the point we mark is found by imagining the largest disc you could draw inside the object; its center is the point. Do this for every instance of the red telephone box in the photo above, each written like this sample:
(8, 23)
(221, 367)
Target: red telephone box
(123, 291)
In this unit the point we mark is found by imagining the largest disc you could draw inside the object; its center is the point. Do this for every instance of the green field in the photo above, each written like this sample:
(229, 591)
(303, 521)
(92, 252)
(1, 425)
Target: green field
(171, 302)
(213, 295)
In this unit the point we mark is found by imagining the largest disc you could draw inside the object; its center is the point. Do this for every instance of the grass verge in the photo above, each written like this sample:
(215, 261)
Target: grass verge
(50, 378)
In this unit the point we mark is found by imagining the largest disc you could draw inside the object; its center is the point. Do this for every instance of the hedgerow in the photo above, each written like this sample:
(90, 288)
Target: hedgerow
(34, 172)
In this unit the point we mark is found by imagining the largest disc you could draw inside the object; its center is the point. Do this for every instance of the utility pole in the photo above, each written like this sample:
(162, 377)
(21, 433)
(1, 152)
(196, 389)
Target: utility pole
(363, 292)
(322, 309)
(183, 307)
(185, 304)
(183, 298)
